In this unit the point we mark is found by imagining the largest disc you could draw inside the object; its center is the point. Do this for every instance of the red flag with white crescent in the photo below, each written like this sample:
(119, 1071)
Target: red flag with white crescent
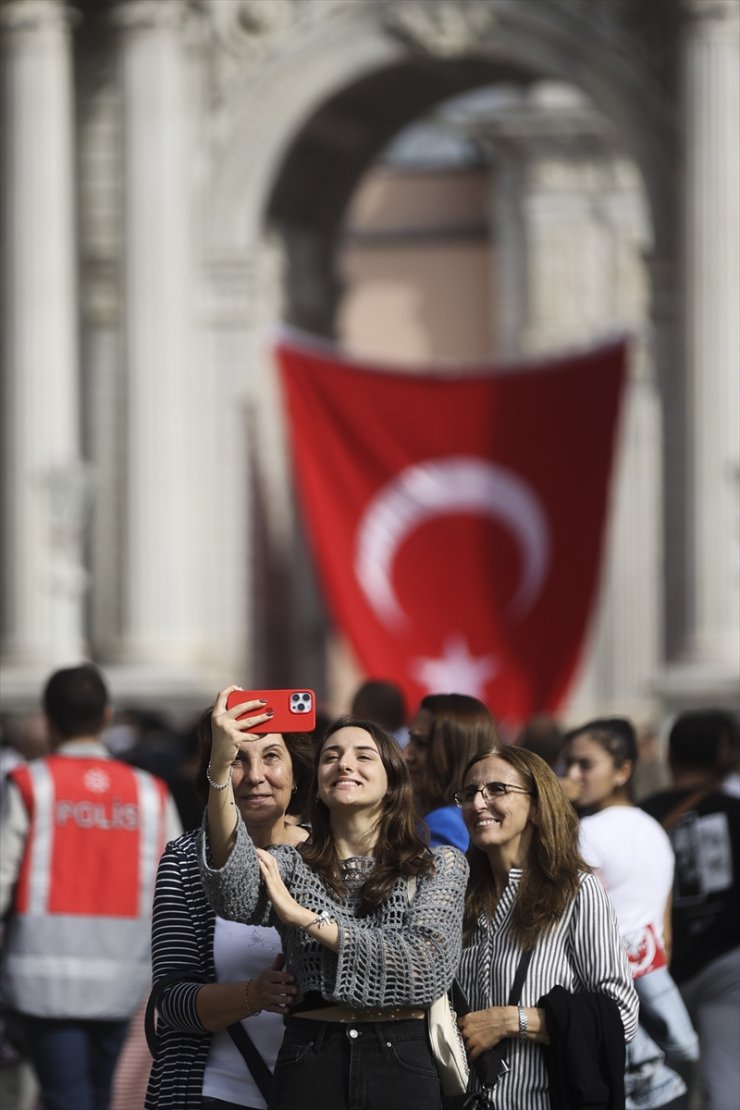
(457, 518)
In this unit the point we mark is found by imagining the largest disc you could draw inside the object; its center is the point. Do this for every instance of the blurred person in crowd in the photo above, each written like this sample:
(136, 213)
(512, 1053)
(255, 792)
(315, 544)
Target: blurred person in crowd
(633, 857)
(384, 702)
(208, 973)
(703, 823)
(531, 896)
(24, 737)
(368, 956)
(542, 735)
(445, 733)
(652, 773)
(80, 836)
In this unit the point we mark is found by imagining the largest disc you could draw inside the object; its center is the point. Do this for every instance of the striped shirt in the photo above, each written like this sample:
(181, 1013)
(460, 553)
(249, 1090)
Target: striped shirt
(583, 952)
(182, 940)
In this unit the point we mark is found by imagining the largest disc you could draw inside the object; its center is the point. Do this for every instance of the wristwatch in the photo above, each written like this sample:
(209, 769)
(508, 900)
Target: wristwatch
(523, 1023)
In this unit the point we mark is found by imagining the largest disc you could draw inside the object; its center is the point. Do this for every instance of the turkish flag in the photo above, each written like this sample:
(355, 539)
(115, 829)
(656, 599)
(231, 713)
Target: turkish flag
(457, 518)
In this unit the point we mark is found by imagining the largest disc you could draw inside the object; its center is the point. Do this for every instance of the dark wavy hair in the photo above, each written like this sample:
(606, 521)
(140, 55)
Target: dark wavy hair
(399, 848)
(550, 877)
(300, 749)
(462, 727)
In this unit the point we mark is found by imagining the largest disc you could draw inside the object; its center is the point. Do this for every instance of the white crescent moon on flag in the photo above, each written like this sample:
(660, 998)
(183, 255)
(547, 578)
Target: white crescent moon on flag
(437, 487)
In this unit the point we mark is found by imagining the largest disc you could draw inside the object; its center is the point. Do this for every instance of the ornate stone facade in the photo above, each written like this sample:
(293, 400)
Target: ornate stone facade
(218, 146)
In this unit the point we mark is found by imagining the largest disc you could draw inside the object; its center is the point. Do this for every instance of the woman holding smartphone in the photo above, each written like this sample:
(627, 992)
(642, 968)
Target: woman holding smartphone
(369, 950)
(210, 974)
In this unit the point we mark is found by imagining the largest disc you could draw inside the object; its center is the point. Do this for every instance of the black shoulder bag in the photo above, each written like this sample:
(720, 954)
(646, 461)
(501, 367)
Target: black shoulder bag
(259, 1070)
(491, 1065)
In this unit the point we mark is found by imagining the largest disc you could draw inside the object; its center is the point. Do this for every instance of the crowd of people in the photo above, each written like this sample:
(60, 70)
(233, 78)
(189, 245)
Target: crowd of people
(278, 912)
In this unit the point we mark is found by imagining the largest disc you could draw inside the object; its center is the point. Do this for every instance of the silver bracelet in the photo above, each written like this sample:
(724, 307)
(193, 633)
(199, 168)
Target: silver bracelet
(323, 917)
(523, 1023)
(217, 785)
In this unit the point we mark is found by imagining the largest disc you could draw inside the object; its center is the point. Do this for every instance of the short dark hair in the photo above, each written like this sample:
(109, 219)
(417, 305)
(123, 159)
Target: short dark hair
(696, 735)
(75, 700)
(382, 701)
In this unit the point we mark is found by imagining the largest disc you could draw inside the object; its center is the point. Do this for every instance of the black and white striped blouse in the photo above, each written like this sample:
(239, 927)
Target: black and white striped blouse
(583, 952)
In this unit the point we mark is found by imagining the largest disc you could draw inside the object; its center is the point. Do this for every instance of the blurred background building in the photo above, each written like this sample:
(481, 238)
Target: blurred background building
(419, 180)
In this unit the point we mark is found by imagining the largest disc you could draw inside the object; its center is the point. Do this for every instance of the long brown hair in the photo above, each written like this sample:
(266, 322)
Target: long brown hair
(462, 728)
(399, 848)
(549, 879)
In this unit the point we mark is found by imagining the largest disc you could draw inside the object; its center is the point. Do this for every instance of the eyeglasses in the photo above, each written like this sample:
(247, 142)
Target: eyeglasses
(487, 791)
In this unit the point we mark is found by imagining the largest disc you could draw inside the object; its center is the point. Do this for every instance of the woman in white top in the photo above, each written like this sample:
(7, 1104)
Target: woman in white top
(633, 857)
(209, 973)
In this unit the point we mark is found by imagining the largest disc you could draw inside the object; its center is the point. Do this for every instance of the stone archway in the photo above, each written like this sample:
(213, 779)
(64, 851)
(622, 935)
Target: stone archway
(406, 63)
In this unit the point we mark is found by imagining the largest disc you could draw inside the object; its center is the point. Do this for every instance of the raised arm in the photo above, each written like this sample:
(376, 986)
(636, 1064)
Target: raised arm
(229, 736)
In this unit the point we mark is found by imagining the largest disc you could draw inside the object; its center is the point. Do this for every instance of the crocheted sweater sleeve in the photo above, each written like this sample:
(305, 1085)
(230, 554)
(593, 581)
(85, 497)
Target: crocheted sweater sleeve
(404, 953)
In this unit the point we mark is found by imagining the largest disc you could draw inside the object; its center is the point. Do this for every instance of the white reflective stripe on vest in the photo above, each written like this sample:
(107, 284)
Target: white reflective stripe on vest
(150, 836)
(42, 840)
(64, 965)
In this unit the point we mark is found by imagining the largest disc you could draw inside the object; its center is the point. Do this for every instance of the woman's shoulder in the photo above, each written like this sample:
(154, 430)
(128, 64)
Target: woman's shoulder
(450, 862)
(622, 827)
(184, 846)
(591, 889)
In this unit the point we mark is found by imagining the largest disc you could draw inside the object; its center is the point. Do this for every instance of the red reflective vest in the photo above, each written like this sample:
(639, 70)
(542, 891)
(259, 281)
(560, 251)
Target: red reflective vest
(78, 941)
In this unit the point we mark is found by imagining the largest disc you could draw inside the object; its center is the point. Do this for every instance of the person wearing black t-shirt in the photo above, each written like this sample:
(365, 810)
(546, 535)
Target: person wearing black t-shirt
(703, 823)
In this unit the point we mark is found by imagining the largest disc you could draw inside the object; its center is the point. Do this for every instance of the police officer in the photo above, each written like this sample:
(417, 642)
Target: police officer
(80, 839)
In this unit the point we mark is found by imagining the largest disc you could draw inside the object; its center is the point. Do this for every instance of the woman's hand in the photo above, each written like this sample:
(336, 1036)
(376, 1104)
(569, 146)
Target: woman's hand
(283, 902)
(273, 989)
(230, 736)
(483, 1029)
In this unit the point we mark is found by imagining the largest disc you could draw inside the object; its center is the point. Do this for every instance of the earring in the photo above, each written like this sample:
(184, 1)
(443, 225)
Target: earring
(294, 788)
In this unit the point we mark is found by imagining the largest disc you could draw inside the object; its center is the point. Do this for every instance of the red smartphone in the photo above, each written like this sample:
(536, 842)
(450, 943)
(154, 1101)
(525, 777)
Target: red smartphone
(293, 710)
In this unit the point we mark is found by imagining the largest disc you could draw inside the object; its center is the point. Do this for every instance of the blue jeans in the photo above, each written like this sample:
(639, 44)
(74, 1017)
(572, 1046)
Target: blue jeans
(74, 1061)
(379, 1065)
(663, 1013)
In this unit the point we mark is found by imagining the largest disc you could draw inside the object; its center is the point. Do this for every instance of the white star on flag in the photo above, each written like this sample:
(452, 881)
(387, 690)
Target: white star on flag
(456, 671)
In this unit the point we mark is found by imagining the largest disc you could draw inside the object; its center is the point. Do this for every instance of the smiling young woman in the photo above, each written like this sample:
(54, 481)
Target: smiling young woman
(368, 960)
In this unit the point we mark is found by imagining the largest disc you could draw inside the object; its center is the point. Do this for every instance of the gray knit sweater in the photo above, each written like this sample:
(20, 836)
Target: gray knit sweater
(402, 954)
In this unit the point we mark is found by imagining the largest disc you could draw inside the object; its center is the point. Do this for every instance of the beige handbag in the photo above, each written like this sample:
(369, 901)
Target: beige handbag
(448, 1047)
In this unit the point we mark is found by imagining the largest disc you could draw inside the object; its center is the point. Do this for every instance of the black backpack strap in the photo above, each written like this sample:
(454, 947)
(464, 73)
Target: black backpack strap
(261, 1074)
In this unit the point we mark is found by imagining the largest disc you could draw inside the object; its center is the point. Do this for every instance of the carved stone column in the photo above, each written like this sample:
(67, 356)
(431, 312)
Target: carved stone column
(707, 653)
(158, 624)
(43, 482)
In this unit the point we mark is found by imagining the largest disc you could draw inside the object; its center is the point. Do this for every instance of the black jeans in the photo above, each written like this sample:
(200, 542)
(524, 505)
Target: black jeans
(383, 1065)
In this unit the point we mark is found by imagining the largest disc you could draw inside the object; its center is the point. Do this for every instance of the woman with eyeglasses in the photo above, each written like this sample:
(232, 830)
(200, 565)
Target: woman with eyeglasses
(530, 890)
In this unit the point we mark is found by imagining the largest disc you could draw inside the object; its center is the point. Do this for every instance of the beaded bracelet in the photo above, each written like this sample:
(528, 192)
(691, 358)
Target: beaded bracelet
(252, 1012)
(321, 919)
(217, 785)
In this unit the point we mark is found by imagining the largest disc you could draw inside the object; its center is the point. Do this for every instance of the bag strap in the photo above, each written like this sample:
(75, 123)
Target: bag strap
(494, 1059)
(260, 1072)
(686, 805)
(492, 1064)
